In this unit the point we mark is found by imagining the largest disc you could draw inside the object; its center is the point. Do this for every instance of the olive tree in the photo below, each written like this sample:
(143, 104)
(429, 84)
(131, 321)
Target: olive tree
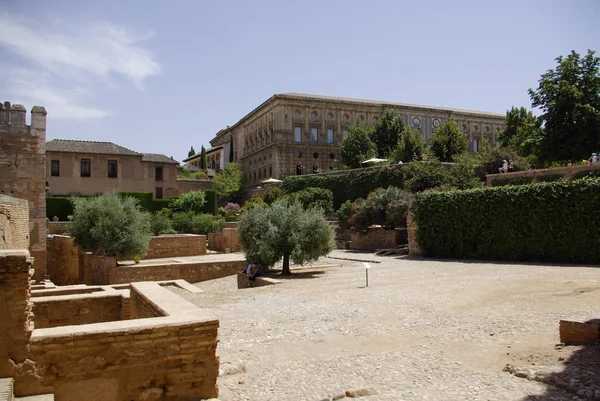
(110, 225)
(284, 230)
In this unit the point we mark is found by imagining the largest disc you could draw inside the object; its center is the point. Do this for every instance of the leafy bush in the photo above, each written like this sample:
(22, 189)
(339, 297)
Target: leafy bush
(348, 184)
(549, 178)
(512, 181)
(161, 224)
(110, 225)
(284, 230)
(424, 175)
(555, 222)
(256, 201)
(591, 173)
(272, 193)
(189, 202)
(193, 223)
(385, 207)
(343, 214)
(463, 173)
(494, 160)
(144, 199)
(313, 197)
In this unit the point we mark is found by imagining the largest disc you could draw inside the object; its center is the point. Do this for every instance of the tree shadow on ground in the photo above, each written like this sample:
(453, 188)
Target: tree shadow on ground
(580, 376)
(295, 275)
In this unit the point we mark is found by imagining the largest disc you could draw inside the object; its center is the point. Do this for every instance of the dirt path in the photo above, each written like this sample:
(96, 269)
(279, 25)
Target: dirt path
(437, 330)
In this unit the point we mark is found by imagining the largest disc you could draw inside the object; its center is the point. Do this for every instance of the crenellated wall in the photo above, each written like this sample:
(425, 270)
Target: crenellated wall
(23, 166)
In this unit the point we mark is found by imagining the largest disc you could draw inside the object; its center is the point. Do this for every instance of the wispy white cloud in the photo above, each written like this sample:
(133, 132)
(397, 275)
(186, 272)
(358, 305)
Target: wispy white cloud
(70, 61)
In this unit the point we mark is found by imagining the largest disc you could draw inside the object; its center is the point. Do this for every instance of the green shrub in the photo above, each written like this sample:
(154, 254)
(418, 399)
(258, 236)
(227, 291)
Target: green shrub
(313, 197)
(272, 193)
(347, 184)
(110, 225)
(554, 222)
(144, 199)
(161, 224)
(343, 214)
(420, 176)
(210, 207)
(193, 223)
(188, 202)
(59, 206)
(494, 160)
(159, 204)
(549, 178)
(512, 181)
(256, 201)
(385, 207)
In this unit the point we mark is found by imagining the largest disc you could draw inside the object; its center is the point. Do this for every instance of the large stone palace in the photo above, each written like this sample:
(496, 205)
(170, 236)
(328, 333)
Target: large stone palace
(294, 133)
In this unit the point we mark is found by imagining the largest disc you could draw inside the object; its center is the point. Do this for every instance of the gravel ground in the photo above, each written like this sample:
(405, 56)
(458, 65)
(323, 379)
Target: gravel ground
(422, 330)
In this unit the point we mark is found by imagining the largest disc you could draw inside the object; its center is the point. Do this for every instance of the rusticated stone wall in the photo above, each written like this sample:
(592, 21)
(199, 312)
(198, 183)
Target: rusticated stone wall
(168, 246)
(15, 310)
(63, 260)
(14, 223)
(23, 171)
(67, 310)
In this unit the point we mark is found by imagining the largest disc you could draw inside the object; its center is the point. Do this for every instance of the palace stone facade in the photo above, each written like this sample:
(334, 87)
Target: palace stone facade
(295, 133)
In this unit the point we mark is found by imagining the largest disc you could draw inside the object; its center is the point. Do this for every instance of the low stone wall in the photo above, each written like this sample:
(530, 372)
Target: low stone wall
(62, 259)
(536, 175)
(67, 310)
(190, 272)
(94, 269)
(58, 227)
(168, 246)
(226, 240)
(170, 357)
(214, 241)
(377, 238)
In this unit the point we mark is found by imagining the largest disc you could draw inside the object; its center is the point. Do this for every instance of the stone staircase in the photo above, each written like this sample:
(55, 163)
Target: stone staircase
(7, 392)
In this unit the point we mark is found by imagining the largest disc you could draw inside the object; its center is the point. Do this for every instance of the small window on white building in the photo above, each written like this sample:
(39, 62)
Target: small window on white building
(314, 132)
(475, 146)
(298, 134)
(330, 135)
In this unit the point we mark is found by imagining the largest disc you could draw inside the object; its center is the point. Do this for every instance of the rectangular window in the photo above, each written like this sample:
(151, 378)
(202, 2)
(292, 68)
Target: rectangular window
(254, 176)
(112, 169)
(475, 147)
(55, 168)
(329, 135)
(158, 174)
(314, 132)
(86, 168)
(270, 171)
(159, 193)
(345, 133)
(265, 172)
(298, 134)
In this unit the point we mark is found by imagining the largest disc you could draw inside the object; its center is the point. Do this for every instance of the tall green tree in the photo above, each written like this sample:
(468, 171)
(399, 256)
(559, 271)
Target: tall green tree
(411, 143)
(203, 165)
(357, 146)
(192, 152)
(110, 225)
(523, 131)
(387, 133)
(448, 140)
(569, 98)
(284, 230)
(229, 182)
(231, 149)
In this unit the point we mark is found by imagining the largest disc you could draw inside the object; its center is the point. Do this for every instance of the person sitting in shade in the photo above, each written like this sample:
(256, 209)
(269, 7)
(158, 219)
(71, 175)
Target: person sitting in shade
(504, 168)
(593, 159)
(254, 270)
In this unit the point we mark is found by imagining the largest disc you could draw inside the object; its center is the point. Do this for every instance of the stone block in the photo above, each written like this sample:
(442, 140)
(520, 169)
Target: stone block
(579, 333)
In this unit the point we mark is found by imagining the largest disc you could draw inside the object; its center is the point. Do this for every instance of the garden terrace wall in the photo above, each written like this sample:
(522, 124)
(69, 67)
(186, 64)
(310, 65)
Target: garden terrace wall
(77, 309)
(174, 245)
(58, 227)
(172, 356)
(547, 174)
(227, 239)
(551, 222)
(63, 260)
(377, 238)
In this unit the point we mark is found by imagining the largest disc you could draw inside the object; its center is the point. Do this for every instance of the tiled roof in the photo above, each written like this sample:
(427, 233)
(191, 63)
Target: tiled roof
(103, 148)
(158, 158)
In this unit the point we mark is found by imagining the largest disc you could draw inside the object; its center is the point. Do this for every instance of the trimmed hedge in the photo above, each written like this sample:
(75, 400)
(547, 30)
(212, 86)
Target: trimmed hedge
(552, 222)
(210, 206)
(59, 206)
(592, 173)
(347, 185)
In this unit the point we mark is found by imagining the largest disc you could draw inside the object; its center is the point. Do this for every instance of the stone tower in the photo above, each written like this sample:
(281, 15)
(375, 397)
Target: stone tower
(23, 171)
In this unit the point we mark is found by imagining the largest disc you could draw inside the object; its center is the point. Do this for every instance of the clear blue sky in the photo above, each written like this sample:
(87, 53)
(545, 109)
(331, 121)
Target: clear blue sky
(157, 76)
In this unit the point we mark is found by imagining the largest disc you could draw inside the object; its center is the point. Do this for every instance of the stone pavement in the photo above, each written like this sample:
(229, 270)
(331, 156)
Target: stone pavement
(422, 330)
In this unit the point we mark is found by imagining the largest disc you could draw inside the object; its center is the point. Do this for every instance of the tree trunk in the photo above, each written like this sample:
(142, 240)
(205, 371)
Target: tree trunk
(286, 265)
